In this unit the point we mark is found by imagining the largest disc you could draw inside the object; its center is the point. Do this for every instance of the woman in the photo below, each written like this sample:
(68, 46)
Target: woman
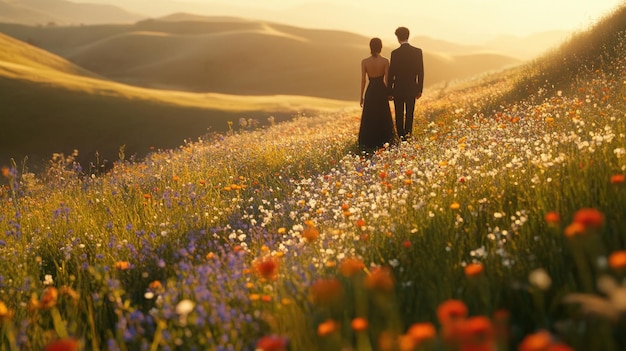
(376, 123)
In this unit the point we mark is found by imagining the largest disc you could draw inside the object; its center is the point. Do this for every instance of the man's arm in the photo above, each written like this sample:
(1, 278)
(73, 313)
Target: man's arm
(420, 73)
(391, 75)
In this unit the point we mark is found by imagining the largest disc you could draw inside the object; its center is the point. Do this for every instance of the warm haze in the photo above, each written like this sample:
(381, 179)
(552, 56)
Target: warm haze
(461, 21)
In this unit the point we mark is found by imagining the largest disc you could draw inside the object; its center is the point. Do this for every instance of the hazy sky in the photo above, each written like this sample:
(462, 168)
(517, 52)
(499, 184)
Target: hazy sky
(458, 20)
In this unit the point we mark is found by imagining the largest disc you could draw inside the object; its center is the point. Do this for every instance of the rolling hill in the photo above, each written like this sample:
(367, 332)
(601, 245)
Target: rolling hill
(235, 56)
(51, 105)
(62, 12)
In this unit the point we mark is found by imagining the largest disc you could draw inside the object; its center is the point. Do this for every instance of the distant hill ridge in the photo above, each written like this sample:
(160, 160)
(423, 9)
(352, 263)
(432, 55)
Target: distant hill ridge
(236, 56)
(62, 12)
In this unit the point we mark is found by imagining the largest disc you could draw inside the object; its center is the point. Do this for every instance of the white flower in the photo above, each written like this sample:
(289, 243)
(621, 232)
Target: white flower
(47, 280)
(540, 279)
(185, 307)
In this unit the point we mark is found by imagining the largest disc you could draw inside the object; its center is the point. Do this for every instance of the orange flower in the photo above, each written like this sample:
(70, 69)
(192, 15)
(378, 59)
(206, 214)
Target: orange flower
(589, 218)
(66, 344)
(406, 343)
(539, 341)
(380, 279)
(359, 324)
(451, 311)
(49, 297)
(386, 341)
(574, 229)
(121, 265)
(272, 343)
(6, 172)
(552, 217)
(326, 291)
(155, 285)
(310, 233)
(473, 269)
(617, 179)
(327, 327)
(421, 332)
(267, 268)
(360, 223)
(617, 260)
(350, 267)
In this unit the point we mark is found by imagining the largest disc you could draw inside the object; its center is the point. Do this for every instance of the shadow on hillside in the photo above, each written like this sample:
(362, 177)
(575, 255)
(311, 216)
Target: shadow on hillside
(95, 123)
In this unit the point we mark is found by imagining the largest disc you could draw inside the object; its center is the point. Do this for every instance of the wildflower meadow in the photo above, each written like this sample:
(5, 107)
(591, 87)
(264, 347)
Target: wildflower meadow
(499, 226)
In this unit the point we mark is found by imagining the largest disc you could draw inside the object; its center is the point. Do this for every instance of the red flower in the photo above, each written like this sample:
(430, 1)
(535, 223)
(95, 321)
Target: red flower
(451, 311)
(477, 334)
(539, 341)
(267, 268)
(359, 324)
(617, 179)
(473, 269)
(589, 218)
(421, 332)
(272, 343)
(66, 344)
(552, 217)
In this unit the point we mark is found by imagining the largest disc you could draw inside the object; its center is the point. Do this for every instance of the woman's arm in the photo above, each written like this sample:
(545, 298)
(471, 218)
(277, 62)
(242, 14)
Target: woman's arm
(362, 80)
(386, 79)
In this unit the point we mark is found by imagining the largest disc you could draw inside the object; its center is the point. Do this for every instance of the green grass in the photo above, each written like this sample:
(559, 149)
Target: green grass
(243, 236)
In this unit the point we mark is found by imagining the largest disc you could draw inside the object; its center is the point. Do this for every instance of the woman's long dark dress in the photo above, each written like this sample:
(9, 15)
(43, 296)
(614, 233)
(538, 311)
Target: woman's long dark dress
(376, 124)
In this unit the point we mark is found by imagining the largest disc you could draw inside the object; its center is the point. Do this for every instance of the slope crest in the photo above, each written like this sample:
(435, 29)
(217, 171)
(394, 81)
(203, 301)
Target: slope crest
(18, 52)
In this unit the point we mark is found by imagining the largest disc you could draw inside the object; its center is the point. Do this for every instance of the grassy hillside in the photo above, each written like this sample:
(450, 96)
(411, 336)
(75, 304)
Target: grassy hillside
(51, 105)
(499, 226)
(234, 56)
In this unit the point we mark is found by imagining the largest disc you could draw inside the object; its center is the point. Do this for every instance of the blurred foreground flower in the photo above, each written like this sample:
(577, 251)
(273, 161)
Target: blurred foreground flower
(381, 280)
(272, 343)
(611, 307)
(351, 266)
(67, 344)
(326, 291)
(589, 218)
(267, 268)
(542, 341)
(540, 279)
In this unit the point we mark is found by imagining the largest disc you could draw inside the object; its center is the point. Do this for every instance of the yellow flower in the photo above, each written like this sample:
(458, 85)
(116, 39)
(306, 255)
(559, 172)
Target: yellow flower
(5, 312)
(455, 205)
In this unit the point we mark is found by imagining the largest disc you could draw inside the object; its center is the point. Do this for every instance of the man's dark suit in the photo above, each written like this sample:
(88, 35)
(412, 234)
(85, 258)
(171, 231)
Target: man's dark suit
(406, 81)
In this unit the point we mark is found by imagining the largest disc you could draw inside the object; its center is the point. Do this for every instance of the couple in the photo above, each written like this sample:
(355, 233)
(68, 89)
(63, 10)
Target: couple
(402, 80)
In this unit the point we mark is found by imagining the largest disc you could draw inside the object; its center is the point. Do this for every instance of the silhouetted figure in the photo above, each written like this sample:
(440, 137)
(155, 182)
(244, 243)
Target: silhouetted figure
(406, 81)
(376, 123)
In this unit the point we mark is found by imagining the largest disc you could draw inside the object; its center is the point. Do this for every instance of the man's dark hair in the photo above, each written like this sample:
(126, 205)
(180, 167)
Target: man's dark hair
(402, 33)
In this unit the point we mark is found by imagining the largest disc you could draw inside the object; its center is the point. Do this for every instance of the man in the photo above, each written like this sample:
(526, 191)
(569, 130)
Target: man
(406, 81)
